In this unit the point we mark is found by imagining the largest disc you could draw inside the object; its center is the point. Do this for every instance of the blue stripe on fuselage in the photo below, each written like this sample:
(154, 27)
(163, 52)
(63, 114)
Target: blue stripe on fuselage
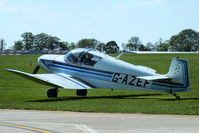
(80, 67)
(78, 70)
(81, 74)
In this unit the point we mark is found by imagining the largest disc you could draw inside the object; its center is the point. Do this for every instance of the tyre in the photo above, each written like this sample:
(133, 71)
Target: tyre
(52, 93)
(81, 92)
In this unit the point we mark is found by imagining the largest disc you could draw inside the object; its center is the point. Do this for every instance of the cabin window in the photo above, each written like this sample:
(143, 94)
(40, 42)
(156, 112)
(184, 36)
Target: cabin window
(82, 56)
(90, 59)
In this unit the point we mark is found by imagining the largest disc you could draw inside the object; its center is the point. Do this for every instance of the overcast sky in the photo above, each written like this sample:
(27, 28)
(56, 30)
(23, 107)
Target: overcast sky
(104, 20)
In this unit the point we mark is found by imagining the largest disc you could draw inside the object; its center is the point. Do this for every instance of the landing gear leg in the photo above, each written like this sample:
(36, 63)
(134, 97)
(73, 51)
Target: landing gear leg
(52, 93)
(175, 95)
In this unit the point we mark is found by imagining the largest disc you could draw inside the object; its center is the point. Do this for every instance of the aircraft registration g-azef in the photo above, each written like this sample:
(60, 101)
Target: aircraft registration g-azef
(83, 69)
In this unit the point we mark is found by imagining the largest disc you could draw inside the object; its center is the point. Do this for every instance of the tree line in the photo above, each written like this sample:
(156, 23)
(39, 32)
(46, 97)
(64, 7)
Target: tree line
(45, 42)
(186, 40)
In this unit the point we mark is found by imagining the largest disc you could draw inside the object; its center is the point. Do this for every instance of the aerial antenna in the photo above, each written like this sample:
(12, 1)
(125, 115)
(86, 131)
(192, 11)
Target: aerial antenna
(117, 57)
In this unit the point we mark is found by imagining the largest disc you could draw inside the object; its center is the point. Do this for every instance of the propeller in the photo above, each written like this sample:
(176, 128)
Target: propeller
(36, 69)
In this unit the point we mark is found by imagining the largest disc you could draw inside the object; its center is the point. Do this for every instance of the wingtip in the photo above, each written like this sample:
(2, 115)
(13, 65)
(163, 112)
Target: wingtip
(11, 70)
(6, 69)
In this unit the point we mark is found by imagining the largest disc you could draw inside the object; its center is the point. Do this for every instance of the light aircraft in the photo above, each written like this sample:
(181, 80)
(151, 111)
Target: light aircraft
(83, 69)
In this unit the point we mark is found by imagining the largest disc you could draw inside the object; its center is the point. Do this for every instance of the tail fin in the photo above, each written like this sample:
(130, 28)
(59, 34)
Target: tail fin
(179, 74)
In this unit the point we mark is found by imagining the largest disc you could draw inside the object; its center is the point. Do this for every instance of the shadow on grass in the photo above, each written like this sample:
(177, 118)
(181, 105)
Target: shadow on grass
(182, 99)
(96, 97)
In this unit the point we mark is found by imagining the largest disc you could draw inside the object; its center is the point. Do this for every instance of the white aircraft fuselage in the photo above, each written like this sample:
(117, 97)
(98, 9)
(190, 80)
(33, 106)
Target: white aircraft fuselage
(111, 73)
(83, 69)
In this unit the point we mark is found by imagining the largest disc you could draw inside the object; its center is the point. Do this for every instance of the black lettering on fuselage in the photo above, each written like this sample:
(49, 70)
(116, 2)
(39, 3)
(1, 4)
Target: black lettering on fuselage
(125, 79)
(146, 83)
(115, 77)
(132, 80)
(139, 83)
(129, 80)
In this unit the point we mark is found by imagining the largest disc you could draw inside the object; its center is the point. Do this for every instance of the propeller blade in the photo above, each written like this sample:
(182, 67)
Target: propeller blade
(36, 69)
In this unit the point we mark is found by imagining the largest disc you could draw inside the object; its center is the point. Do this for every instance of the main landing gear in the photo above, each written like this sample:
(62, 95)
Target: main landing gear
(81, 92)
(175, 95)
(52, 93)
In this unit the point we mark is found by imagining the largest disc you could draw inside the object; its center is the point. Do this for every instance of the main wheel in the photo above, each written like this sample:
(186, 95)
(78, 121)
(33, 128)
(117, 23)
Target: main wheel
(177, 97)
(81, 92)
(52, 93)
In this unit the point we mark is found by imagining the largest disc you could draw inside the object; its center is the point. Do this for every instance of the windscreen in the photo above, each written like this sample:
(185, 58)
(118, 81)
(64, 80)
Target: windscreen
(82, 56)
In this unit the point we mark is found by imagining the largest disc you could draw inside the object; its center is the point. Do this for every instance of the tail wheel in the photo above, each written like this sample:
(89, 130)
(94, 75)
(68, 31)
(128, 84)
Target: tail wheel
(52, 93)
(81, 92)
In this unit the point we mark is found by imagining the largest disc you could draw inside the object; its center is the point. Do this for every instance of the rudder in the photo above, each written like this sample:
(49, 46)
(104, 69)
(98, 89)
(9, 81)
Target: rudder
(178, 72)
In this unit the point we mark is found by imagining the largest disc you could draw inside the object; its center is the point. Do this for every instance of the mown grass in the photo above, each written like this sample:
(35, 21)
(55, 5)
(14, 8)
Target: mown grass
(19, 93)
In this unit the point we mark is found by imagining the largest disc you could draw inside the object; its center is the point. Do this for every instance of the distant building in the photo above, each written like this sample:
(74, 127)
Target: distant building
(30, 52)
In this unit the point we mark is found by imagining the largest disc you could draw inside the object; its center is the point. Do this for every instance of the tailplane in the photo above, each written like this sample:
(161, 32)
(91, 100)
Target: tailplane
(178, 72)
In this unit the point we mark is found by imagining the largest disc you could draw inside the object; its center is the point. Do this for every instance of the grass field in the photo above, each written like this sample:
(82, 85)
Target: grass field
(19, 93)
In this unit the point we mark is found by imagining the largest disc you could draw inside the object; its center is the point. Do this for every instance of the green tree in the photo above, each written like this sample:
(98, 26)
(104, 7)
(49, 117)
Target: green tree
(87, 43)
(150, 46)
(134, 43)
(163, 46)
(63, 45)
(111, 47)
(186, 40)
(143, 48)
(72, 45)
(100, 47)
(27, 40)
(41, 41)
(18, 45)
(52, 42)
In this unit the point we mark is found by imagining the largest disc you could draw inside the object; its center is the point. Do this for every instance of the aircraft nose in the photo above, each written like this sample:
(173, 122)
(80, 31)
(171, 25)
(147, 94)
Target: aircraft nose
(39, 60)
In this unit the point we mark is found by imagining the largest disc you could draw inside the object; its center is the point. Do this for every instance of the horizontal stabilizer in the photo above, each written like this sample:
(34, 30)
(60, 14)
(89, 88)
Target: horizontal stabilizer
(56, 80)
(154, 77)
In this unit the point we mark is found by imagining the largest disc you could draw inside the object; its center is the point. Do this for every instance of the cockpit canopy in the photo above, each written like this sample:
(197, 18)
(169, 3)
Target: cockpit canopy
(83, 56)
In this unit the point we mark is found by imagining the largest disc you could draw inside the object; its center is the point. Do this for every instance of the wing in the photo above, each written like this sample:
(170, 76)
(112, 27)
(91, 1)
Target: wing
(56, 80)
(158, 52)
